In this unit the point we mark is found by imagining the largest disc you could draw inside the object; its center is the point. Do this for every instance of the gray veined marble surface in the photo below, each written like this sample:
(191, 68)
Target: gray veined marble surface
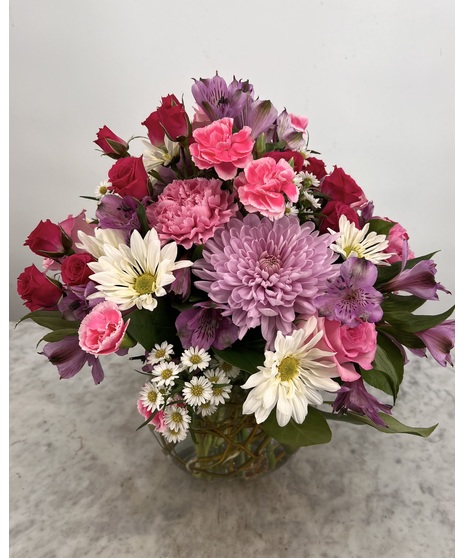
(83, 483)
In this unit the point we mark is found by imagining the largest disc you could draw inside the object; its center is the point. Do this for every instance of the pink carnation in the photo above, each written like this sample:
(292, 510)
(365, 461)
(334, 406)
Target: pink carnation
(190, 211)
(396, 238)
(350, 345)
(216, 146)
(102, 330)
(262, 185)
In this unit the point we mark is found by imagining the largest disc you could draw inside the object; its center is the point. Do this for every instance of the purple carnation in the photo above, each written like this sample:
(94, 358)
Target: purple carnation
(266, 273)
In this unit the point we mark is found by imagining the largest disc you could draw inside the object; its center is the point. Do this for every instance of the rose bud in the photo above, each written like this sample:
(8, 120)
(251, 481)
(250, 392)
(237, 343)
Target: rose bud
(49, 240)
(37, 290)
(111, 144)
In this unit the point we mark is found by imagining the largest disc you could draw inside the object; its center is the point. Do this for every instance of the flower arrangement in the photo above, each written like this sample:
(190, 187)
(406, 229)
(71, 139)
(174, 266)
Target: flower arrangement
(261, 293)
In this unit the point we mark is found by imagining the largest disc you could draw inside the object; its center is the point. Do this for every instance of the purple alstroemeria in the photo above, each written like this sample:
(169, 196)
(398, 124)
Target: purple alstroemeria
(418, 281)
(259, 115)
(74, 305)
(439, 341)
(295, 138)
(218, 100)
(203, 326)
(181, 286)
(116, 212)
(353, 396)
(351, 297)
(69, 358)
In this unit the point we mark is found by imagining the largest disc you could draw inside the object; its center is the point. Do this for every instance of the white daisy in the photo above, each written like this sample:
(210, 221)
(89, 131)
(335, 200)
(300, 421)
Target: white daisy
(219, 392)
(176, 417)
(95, 244)
(311, 198)
(290, 209)
(165, 373)
(230, 370)
(151, 397)
(291, 377)
(353, 242)
(308, 179)
(154, 157)
(136, 275)
(197, 391)
(102, 189)
(159, 353)
(174, 436)
(195, 358)
(206, 409)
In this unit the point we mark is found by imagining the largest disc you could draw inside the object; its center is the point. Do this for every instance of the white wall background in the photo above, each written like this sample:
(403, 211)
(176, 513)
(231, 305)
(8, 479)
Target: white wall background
(374, 77)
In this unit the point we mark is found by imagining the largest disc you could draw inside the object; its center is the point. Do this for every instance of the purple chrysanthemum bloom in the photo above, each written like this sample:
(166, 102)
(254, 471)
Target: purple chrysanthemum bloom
(351, 297)
(116, 212)
(69, 358)
(353, 396)
(418, 281)
(266, 273)
(204, 326)
(439, 341)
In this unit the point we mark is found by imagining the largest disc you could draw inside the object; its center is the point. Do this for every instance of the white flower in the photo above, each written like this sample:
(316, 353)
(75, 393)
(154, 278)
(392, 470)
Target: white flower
(197, 391)
(291, 377)
(158, 156)
(102, 189)
(206, 409)
(353, 242)
(219, 392)
(290, 209)
(159, 353)
(95, 244)
(230, 370)
(308, 179)
(165, 373)
(174, 436)
(151, 397)
(176, 418)
(311, 198)
(195, 359)
(136, 275)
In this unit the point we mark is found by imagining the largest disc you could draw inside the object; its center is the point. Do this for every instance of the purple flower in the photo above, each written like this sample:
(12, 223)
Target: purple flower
(353, 396)
(204, 326)
(419, 281)
(116, 212)
(181, 286)
(74, 304)
(258, 115)
(69, 358)
(439, 341)
(351, 297)
(265, 273)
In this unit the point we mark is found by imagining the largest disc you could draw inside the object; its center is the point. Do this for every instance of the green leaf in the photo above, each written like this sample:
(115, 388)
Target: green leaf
(260, 146)
(314, 430)
(389, 361)
(386, 273)
(403, 337)
(51, 319)
(142, 218)
(393, 426)
(412, 323)
(58, 335)
(393, 303)
(242, 357)
(380, 226)
(148, 328)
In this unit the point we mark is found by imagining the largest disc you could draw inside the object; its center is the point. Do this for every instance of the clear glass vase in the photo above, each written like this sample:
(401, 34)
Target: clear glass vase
(226, 445)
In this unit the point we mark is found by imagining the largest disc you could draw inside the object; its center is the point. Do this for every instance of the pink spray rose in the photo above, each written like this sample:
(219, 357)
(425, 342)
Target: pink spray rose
(216, 146)
(262, 185)
(72, 225)
(396, 238)
(351, 344)
(158, 420)
(102, 330)
(190, 211)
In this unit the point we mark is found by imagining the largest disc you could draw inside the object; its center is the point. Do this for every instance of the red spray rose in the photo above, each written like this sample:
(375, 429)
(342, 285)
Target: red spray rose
(48, 240)
(342, 187)
(288, 155)
(36, 289)
(128, 177)
(111, 144)
(170, 117)
(74, 269)
(332, 211)
(317, 167)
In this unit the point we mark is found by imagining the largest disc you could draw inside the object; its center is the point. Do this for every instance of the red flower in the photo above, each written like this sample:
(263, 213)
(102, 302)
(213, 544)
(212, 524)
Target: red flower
(288, 155)
(170, 117)
(36, 289)
(49, 240)
(342, 187)
(128, 177)
(332, 211)
(74, 269)
(316, 167)
(111, 144)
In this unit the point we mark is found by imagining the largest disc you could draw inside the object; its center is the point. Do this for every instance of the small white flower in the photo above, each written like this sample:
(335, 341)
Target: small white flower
(160, 352)
(195, 358)
(155, 157)
(174, 436)
(165, 373)
(309, 179)
(311, 198)
(177, 418)
(230, 370)
(151, 397)
(102, 189)
(219, 392)
(197, 391)
(352, 242)
(297, 180)
(290, 209)
(206, 409)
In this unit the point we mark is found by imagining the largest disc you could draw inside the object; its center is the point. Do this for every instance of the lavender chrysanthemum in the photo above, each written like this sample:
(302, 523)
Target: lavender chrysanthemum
(266, 273)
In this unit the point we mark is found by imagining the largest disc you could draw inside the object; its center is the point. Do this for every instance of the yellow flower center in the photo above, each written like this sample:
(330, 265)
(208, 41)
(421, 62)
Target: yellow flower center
(103, 190)
(176, 417)
(152, 396)
(357, 248)
(166, 374)
(226, 367)
(145, 284)
(197, 391)
(288, 369)
(195, 359)
(160, 353)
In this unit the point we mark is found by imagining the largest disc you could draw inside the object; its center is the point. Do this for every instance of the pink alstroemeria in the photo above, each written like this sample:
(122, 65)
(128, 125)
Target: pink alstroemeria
(418, 281)
(439, 341)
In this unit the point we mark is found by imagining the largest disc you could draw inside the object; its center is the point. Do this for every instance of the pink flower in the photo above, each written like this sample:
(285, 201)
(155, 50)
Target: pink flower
(102, 330)
(190, 211)
(72, 225)
(262, 185)
(300, 123)
(350, 345)
(396, 238)
(216, 146)
(158, 420)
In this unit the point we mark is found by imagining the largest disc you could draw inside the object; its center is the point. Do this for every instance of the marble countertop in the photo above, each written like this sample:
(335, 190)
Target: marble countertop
(84, 483)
